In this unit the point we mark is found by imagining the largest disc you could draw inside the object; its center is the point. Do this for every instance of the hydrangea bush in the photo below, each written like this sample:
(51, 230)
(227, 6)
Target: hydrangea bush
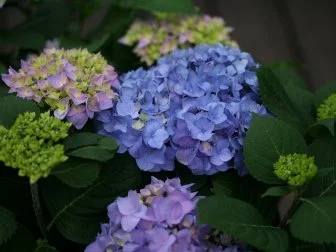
(201, 117)
(73, 83)
(161, 217)
(167, 32)
(195, 106)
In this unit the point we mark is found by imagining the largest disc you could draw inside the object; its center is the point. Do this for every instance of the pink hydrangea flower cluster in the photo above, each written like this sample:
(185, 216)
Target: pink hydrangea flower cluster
(73, 83)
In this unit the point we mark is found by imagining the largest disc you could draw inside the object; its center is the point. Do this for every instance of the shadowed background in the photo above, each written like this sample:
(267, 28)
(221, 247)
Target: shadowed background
(302, 31)
(272, 30)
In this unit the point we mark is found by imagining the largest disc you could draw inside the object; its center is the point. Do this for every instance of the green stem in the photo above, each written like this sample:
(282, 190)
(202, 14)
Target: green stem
(38, 209)
(291, 210)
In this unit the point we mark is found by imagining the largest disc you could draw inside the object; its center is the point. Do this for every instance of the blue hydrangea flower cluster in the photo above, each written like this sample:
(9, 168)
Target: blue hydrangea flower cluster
(159, 218)
(195, 106)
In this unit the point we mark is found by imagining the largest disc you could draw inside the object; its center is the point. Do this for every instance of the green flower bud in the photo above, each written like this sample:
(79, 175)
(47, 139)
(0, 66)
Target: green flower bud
(295, 169)
(328, 108)
(30, 144)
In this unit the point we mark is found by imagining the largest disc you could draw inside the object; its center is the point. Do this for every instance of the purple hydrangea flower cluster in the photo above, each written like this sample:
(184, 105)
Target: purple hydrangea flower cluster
(160, 218)
(195, 106)
(74, 83)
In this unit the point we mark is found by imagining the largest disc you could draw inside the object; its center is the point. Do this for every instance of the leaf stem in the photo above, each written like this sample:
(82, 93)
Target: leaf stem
(38, 209)
(290, 211)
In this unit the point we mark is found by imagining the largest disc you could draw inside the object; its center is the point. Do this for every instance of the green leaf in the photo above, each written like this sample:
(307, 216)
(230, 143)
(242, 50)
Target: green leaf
(320, 126)
(267, 139)
(247, 189)
(81, 139)
(274, 96)
(96, 153)
(324, 150)
(315, 220)
(8, 224)
(287, 76)
(323, 184)
(23, 240)
(185, 6)
(300, 246)
(90, 146)
(324, 92)
(242, 221)
(303, 102)
(77, 172)
(12, 106)
(277, 191)
(78, 213)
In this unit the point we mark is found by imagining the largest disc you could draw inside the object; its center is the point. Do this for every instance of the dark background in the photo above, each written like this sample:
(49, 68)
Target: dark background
(271, 30)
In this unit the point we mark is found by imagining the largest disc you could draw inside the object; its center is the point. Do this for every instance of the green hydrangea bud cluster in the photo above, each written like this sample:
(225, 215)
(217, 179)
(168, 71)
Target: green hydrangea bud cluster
(295, 169)
(30, 144)
(328, 108)
(166, 32)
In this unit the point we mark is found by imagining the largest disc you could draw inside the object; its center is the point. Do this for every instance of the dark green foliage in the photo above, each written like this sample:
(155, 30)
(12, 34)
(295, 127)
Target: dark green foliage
(77, 213)
(75, 196)
(243, 221)
(266, 140)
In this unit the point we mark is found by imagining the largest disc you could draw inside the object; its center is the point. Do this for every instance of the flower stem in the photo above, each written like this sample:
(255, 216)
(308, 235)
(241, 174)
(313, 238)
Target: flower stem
(37, 209)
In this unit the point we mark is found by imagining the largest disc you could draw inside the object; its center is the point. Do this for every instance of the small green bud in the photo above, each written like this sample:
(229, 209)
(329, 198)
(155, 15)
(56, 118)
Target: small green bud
(295, 169)
(328, 108)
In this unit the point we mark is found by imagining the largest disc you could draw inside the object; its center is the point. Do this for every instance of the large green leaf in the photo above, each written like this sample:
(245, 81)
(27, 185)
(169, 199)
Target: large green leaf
(185, 6)
(301, 246)
(77, 172)
(315, 220)
(277, 191)
(323, 184)
(267, 139)
(324, 150)
(8, 224)
(242, 221)
(276, 99)
(321, 126)
(247, 189)
(96, 153)
(303, 102)
(91, 146)
(78, 213)
(12, 106)
(81, 139)
(324, 92)
(287, 76)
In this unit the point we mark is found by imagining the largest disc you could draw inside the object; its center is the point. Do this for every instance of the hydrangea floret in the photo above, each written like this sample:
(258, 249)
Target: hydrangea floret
(195, 106)
(295, 169)
(30, 145)
(328, 108)
(161, 217)
(167, 32)
(74, 83)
